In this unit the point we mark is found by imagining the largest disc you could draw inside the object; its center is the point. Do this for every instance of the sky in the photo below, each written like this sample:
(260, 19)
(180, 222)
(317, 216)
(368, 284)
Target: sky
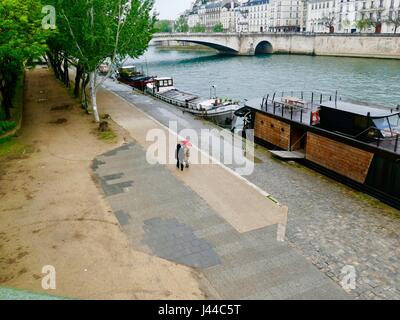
(170, 9)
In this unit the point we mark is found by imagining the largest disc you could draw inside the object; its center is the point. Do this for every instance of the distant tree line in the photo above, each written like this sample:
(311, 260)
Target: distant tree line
(365, 23)
(181, 25)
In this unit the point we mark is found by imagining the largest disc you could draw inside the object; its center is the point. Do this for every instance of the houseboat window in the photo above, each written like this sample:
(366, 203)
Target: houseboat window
(395, 124)
(381, 123)
(360, 123)
(388, 130)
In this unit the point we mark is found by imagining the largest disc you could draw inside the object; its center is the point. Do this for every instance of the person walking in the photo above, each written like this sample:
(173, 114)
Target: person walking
(180, 156)
(186, 146)
(187, 155)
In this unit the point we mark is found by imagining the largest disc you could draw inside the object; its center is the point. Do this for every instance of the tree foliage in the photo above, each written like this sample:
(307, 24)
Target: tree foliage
(199, 28)
(218, 27)
(90, 32)
(363, 24)
(22, 39)
(181, 25)
(163, 26)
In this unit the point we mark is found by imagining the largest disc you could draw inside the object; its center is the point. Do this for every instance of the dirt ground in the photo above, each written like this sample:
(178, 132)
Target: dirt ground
(52, 213)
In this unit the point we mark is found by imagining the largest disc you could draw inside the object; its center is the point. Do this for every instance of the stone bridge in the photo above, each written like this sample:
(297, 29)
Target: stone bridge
(353, 45)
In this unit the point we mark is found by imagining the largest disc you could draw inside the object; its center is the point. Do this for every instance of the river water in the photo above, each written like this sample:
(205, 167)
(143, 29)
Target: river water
(370, 80)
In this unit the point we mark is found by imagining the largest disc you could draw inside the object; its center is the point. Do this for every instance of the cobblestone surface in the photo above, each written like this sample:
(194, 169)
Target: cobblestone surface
(329, 223)
(335, 226)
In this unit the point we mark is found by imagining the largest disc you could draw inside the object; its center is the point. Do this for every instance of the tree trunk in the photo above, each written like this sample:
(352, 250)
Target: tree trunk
(85, 82)
(7, 102)
(66, 73)
(93, 95)
(78, 78)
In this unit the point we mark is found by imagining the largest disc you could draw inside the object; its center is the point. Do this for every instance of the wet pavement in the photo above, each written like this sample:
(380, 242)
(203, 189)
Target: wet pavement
(330, 224)
(164, 217)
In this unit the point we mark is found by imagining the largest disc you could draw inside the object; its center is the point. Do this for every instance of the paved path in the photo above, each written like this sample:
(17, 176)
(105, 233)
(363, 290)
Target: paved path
(164, 217)
(332, 225)
(171, 215)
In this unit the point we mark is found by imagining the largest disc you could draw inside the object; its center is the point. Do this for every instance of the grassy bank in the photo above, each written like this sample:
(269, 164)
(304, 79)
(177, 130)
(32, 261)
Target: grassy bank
(9, 128)
(13, 149)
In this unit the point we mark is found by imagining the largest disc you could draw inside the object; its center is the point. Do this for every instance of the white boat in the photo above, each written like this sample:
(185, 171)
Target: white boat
(218, 110)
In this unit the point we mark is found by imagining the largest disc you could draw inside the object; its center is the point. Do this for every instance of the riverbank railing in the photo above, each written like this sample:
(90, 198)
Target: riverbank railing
(300, 105)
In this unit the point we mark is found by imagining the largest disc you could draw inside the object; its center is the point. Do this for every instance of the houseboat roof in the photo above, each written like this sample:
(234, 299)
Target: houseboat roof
(163, 78)
(345, 106)
(359, 109)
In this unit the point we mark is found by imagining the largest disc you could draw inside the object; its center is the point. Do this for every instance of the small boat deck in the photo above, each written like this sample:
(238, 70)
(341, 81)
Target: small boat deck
(294, 113)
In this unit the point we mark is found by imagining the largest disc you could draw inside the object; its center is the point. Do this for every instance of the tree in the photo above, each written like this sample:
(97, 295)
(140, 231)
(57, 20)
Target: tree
(363, 24)
(96, 30)
(394, 19)
(181, 25)
(329, 22)
(199, 28)
(375, 23)
(163, 26)
(218, 27)
(22, 39)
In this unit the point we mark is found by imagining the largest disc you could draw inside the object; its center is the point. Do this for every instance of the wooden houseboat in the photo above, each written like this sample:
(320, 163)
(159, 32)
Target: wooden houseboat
(355, 143)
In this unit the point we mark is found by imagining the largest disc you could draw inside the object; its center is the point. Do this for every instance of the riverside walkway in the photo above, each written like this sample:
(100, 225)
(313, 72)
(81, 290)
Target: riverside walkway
(206, 217)
(330, 224)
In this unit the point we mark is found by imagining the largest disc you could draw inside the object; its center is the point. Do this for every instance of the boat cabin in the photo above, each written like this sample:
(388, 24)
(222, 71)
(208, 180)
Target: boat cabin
(363, 122)
(129, 72)
(163, 84)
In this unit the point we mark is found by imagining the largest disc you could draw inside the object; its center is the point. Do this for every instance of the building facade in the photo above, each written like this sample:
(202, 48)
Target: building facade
(257, 15)
(320, 16)
(286, 16)
(351, 16)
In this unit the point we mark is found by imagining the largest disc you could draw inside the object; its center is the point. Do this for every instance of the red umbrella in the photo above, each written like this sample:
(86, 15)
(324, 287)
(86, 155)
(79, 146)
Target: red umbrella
(187, 143)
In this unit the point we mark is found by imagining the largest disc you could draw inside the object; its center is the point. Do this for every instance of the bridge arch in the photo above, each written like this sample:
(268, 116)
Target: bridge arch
(263, 47)
(220, 48)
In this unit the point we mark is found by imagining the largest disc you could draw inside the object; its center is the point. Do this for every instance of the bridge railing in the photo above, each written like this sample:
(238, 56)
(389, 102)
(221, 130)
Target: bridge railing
(312, 34)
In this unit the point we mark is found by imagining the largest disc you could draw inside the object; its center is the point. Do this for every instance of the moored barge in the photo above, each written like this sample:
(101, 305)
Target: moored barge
(130, 76)
(357, 144)
(220, 111)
